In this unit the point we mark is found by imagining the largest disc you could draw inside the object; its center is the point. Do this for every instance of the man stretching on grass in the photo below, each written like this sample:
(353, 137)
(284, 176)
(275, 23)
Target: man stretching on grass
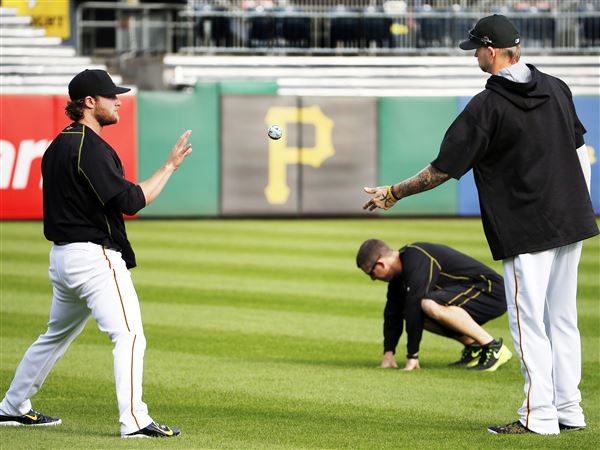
(434, 287)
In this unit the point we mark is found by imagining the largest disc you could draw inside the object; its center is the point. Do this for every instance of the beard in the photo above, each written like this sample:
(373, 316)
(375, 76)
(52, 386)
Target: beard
(485, 64)
(104, 117)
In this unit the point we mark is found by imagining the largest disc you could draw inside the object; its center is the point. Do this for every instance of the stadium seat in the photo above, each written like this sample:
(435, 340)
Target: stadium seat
(33, 63)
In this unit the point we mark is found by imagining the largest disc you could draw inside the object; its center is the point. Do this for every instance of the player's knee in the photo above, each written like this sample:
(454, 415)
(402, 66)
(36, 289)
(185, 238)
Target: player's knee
(129, 338)
(430, 308)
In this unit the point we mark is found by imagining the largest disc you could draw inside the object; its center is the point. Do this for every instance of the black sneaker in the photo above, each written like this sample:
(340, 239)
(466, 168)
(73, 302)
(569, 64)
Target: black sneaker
(469, 357)
(31, 419)
(563, 427)
(493, 356)
(154, 430)
(512, 428)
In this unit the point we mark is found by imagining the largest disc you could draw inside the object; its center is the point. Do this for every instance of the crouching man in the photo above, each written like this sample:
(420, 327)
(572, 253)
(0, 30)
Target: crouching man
(439, 289)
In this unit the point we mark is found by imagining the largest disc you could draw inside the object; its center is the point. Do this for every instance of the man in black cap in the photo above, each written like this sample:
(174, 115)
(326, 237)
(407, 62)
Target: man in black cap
(85, 196)
(524, 142)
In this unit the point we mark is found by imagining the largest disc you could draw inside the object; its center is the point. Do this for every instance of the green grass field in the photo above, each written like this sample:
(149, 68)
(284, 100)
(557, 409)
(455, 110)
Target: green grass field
(264, 334)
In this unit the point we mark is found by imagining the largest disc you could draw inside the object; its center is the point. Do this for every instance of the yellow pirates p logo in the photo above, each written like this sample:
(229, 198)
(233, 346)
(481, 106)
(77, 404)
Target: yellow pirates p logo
(277, 191)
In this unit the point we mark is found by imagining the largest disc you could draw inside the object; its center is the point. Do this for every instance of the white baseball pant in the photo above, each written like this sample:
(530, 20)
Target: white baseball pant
(541, 292)
(88, 279)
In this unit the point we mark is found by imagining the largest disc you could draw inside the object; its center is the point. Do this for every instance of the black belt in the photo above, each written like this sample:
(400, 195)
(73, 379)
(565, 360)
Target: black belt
(103, 242)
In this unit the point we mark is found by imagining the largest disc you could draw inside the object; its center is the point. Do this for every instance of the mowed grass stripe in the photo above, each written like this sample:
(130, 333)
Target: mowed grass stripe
(314, 325)
(38, 293)
(269, 281)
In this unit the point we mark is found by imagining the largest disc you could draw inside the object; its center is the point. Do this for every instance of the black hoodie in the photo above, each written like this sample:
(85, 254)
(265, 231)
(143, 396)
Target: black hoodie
(520, 139)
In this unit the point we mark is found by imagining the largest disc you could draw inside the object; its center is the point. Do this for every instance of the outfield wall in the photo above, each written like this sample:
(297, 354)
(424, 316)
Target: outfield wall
(332, 146)
(28, 123)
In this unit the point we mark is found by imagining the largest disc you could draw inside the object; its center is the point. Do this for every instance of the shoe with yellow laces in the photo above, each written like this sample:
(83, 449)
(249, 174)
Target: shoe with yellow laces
(493, 355)
(470, 356)
(31, 419)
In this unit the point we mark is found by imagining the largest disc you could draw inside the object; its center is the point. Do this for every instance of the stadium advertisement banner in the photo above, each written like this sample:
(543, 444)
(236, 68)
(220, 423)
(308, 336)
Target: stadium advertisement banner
(328, 148)
(27, 126)
(52, 15)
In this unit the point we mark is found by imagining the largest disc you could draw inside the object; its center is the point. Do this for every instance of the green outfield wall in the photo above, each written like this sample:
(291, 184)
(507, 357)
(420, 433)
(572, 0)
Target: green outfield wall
(332, 147)
(162, 117)
(410, 132)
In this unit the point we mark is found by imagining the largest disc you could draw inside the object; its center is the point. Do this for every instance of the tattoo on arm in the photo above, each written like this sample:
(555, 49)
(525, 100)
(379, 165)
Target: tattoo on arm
(426, 179)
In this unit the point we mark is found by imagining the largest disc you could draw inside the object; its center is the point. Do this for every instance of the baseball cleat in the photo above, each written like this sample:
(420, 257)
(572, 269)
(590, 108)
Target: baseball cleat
(469, 357)
(493, 356)
(154, 430)
(31, 419)
(563, 427)
(512, 428)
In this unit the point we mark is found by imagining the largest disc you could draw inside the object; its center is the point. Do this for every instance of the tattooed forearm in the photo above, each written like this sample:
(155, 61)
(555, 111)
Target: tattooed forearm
(426, 179)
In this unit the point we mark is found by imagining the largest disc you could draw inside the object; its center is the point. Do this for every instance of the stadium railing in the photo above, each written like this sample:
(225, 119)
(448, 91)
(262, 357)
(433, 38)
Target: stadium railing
(383, 29)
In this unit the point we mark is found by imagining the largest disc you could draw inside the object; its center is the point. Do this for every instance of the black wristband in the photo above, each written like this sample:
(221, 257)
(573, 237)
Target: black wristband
(412, 356)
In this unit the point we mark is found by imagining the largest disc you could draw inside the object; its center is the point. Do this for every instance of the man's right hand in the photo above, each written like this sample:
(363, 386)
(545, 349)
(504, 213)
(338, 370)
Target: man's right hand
(180, 150)
(389, 361)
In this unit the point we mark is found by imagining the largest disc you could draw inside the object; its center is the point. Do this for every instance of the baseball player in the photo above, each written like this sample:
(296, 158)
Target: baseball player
(85, 196)
(524, 141)
(437, 288)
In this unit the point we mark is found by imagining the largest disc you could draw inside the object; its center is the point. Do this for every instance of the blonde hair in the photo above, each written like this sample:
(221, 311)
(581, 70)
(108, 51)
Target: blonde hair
(512, 53)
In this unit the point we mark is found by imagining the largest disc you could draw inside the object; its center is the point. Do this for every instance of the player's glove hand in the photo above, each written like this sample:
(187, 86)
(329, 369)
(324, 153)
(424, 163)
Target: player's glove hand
(382, 197)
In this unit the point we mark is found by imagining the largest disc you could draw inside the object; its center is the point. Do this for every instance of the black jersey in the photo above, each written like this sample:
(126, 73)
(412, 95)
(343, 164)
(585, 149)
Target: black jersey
(86, 193)
(428, 267)
(521, 140)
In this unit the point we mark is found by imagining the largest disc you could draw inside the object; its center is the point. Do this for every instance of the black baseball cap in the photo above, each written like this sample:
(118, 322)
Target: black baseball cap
(492, 31)
(94, 82)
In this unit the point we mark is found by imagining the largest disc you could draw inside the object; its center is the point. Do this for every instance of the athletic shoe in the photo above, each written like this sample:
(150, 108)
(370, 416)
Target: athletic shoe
(31, 419)
(563, 427)
(154, 430)
(493, 356)
(470, 356)
(512, 428)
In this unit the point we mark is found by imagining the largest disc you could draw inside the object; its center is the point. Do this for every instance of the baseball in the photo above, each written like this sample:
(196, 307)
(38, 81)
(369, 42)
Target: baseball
(275, 132)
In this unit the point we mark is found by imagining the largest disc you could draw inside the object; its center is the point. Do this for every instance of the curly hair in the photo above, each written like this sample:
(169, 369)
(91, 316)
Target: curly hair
(74, 109)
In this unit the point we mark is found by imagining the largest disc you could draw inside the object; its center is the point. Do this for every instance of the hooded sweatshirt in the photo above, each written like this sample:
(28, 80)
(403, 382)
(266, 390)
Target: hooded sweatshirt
(520, 139)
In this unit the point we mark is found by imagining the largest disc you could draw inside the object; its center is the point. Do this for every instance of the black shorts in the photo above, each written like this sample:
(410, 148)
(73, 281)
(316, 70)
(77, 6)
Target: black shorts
(481, 304)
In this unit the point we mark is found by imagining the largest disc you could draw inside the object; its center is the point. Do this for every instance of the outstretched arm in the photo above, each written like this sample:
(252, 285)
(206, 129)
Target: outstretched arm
(386, 196)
